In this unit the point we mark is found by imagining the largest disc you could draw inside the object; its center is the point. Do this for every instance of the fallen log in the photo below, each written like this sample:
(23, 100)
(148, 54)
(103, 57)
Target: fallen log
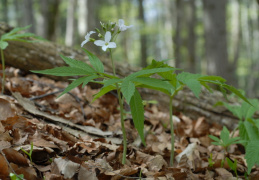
(45, 55)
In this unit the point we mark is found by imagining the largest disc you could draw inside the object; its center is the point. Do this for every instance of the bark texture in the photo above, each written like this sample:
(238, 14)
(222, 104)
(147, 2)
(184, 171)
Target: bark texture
(45, 55)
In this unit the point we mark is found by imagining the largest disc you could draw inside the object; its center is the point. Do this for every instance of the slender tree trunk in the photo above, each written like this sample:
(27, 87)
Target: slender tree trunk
(177, 36)
(5, 11)
(70, 25)
(143, 38)
(28, 12)
(53, 15)
(192, 37)
(43, 18)
(82, 17)
(216, 40)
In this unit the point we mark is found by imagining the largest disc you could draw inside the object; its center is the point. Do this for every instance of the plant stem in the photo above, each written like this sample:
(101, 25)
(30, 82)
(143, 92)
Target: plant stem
(121, 115)
(3, 67)
(172, 130)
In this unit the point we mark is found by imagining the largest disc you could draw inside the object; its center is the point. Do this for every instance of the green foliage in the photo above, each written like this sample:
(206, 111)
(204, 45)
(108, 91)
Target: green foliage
(14, 36)
(18, 177)
(232, 165)
(225, 139)
(210, 161)
(252, 154)
(29, 153)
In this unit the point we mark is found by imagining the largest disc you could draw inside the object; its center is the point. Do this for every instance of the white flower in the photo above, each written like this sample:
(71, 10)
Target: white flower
(122, 26)
(87, 38)
(106, 43)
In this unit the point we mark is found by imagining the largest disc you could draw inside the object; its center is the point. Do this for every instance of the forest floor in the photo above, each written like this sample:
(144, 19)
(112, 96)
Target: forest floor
(73, 139)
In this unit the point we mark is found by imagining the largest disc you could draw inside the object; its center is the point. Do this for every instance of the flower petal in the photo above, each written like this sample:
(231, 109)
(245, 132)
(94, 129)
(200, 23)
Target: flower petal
(99, 43)
(108, 36)
(120, 22)
(112, 45)
(104, 47)
(84, 42)
(91, 32)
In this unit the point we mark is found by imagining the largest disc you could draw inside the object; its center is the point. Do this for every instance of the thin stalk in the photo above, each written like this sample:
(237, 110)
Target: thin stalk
(3, 67)
(121, 114)
(172, 130)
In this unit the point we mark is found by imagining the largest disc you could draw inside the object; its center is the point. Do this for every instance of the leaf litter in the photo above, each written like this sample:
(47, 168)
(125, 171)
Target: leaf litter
(73, 139)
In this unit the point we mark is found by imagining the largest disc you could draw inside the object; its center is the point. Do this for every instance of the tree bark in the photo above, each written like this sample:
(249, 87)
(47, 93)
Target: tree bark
(216, 40)
(45, 55)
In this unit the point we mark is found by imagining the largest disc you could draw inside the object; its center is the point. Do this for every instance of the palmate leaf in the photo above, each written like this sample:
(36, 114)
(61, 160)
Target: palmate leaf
(95, 61)
(252, 154)
(15, 30)
(137, 111)
(111, 81)
(77, 64)
(63, 71)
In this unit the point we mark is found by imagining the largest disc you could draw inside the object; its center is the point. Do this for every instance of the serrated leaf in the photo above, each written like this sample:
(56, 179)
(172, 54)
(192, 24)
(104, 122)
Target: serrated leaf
(73, 85)
(95, 61)
(63, 71)
(153, 83)
(252, 154)
(236, 92)
(224, 135)
(103, 91)
(147, 72)
(127, 89)
(191, 80)
(137, 111)
(77, 64)
(3, 44)
(88, 79)
(111, 81)
(212, 78)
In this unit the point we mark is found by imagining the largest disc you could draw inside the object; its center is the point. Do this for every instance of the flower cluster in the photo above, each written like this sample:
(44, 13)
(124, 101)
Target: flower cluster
(110, 34)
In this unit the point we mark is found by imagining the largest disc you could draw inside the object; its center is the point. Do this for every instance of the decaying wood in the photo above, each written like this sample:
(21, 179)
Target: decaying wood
(45, 55)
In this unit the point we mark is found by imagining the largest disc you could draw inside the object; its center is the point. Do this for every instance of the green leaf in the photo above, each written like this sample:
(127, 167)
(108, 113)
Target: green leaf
(232, 165)
(63, 71)
(152, 82)
(88, 79)
(14, 177)
(3, 44)
(216, 139)
(252, 154)
(73, 85)
(191, 80)
(236, 92)
(77, 64)
(137, 111)
(147, 72)
(15, 30)
(103, 91)
(212, 78)
(127, 89)
(111, 81)
(95, 61)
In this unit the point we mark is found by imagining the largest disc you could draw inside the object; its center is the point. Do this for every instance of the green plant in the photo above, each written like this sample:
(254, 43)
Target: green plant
(232, 165)
(16, 177)
(29, 153)
(14, 35)
(127, 87)
(225, 139)
(210, 161)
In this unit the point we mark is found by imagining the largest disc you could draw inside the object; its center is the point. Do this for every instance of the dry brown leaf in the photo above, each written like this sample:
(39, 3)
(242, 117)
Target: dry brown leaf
(66, 167)
(4, 170)
(15, 157)
(85, 173)
(223, 173)
(5, 109)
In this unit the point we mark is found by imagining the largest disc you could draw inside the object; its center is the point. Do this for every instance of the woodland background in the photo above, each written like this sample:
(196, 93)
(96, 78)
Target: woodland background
(200, 36)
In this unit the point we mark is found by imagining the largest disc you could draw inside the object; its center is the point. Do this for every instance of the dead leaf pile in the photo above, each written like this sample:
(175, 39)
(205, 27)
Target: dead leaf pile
(73, 139)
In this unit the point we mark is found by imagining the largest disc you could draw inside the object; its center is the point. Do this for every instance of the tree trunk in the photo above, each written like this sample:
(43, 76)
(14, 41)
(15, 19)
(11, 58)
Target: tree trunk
(143, 38)
(28, 15)
(45, 55)
(70, 26)
(216, 40)
(53, 15)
